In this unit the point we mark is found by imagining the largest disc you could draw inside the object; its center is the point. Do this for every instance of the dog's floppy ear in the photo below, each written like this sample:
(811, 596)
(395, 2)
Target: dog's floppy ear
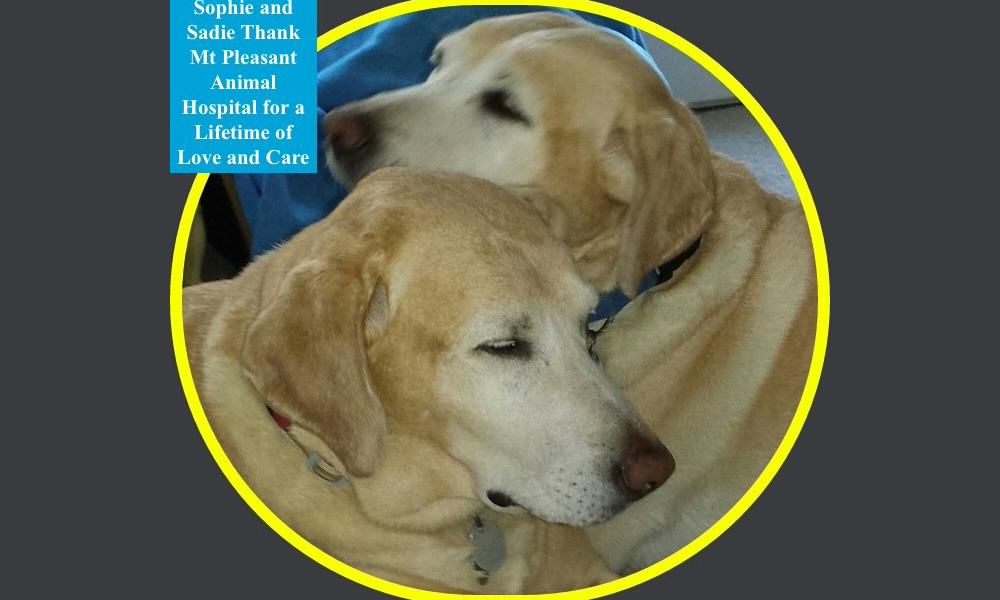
(305, 353)
(660, 167)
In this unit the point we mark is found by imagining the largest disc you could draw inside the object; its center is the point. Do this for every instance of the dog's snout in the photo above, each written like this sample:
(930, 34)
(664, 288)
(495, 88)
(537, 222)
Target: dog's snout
(348, 131)
(645, 465)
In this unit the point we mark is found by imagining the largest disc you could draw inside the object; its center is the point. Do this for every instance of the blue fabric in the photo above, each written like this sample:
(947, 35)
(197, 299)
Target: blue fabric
(388, 55)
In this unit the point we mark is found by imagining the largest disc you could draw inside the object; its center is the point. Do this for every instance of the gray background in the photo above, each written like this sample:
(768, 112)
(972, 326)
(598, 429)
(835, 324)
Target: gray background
(108, 487)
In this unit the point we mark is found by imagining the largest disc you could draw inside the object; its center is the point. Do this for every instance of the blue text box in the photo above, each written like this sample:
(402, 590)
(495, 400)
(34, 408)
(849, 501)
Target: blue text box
(243, 86)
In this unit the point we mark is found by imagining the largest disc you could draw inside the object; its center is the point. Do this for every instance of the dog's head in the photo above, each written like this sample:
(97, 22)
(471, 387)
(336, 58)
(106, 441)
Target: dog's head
(569, 116)
(433, 331)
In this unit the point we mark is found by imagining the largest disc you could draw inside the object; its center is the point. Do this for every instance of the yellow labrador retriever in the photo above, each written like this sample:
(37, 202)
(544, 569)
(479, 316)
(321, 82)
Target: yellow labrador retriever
(406, 381)
(575, 120)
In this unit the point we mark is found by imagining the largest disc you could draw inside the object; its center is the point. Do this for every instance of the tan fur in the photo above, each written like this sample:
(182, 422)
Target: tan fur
(320, 328)
(715, 359)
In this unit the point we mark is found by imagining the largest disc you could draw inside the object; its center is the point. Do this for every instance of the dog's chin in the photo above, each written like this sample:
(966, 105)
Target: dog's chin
(580, 519)
(349, 173)
(347, 176)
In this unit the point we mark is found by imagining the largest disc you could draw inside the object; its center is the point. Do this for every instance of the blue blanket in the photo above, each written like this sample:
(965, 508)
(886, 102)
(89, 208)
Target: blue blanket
(388, 55)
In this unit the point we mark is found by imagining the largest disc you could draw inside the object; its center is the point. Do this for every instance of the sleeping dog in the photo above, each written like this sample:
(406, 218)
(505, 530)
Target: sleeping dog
(576, 121)
(414, 371)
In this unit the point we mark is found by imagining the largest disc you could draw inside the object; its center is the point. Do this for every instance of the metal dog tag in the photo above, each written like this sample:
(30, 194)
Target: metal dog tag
(489, 549)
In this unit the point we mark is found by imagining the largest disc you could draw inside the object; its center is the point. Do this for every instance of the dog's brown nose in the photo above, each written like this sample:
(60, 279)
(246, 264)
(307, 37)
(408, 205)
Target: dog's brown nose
(348, 131)
(647, 464)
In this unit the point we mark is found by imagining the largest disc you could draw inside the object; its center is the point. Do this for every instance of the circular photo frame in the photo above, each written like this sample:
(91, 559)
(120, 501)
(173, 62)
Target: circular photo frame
(818, 341)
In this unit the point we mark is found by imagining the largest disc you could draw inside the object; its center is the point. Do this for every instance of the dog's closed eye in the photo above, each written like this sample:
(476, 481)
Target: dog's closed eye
(499, 103)
(511, 348)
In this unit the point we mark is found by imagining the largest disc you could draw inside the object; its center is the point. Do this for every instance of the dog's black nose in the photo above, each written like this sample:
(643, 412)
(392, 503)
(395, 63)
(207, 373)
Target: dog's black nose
(348, 131)
(646, 464)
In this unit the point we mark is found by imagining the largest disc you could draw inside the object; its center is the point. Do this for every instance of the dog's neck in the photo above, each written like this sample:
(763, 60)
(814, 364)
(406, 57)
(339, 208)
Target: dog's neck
(438, 494)
(710, 287)
(412, 508)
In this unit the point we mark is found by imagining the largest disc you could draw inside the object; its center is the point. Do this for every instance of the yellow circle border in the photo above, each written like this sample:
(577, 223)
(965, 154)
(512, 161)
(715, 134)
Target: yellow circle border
(809, 392)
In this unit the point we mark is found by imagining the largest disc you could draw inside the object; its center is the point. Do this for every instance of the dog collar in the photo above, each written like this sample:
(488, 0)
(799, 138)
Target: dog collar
(314, 462)
(612, 302)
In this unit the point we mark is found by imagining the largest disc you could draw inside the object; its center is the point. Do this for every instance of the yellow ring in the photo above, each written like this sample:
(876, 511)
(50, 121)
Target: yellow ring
(812, 380)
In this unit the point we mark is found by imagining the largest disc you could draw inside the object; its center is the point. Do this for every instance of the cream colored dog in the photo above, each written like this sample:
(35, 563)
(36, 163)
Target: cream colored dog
(428, 342)
(575, 120)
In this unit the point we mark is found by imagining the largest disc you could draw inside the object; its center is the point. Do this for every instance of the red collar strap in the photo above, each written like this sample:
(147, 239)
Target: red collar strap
(280, 419)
